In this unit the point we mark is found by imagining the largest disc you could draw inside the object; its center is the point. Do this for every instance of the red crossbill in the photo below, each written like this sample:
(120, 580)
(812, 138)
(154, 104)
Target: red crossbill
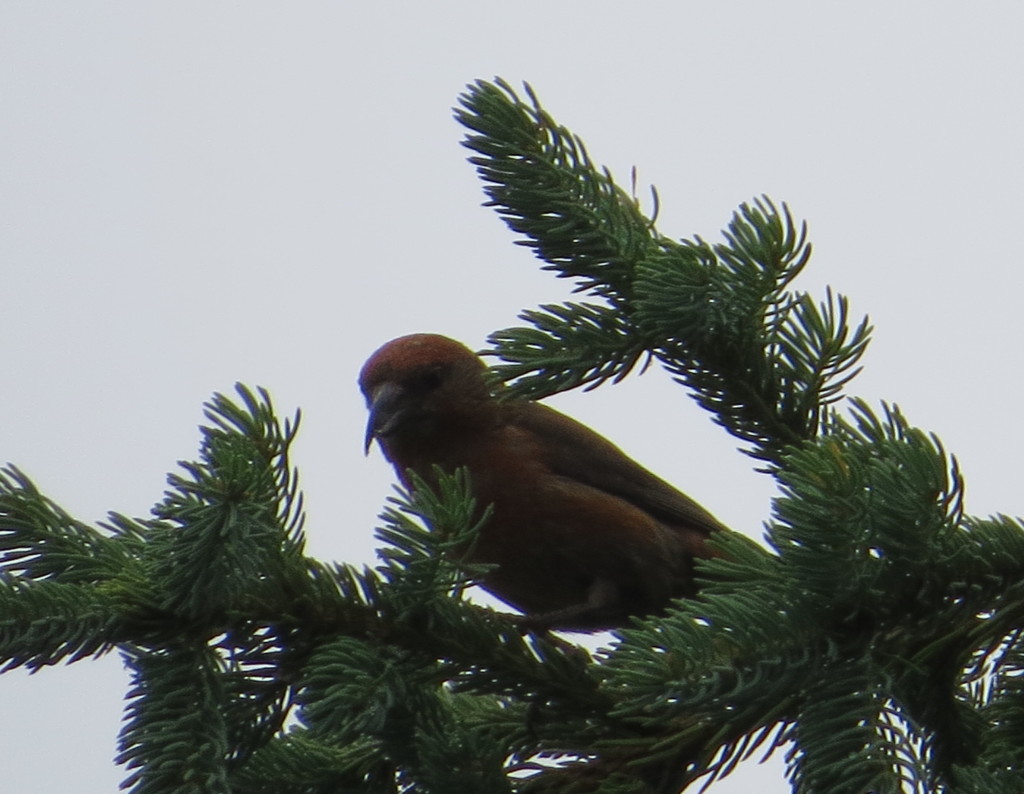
(582, 536)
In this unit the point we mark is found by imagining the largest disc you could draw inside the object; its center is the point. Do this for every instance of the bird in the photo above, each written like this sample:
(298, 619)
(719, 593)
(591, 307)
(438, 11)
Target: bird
(580, 537)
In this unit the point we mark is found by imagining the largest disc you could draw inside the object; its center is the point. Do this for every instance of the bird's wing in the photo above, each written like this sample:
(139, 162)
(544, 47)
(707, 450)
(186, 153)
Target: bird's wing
(575, 451)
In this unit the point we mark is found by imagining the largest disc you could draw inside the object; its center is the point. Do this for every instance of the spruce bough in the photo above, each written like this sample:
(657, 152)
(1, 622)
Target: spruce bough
(877, 635)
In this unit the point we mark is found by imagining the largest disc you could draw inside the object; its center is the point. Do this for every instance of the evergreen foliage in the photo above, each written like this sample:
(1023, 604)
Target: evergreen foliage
(878, 637)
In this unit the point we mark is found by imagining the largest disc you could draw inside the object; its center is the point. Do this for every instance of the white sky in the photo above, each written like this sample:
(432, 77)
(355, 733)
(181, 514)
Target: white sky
(195, 193)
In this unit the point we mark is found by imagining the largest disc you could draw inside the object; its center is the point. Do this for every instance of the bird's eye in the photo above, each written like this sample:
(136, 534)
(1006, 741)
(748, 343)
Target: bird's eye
(426, 381)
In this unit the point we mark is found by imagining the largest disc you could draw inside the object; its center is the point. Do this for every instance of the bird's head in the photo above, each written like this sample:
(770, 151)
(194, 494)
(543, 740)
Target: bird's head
(419, 384)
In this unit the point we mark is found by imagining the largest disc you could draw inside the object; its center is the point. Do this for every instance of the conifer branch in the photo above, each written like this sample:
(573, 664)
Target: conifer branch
(880, 636)
(721, 318)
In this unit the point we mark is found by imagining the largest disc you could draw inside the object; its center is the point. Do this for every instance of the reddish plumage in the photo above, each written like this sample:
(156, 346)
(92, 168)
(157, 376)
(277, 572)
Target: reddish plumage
(583, 536)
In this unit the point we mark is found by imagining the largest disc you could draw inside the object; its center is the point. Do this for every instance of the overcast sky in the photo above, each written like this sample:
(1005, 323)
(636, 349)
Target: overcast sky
(196, 193)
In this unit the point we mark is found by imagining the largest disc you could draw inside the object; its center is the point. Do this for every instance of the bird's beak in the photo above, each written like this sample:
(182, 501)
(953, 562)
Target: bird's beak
(385, 406)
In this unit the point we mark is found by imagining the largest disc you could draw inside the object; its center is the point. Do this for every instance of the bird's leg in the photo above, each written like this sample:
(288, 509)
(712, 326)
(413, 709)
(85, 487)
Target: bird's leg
(597, 613)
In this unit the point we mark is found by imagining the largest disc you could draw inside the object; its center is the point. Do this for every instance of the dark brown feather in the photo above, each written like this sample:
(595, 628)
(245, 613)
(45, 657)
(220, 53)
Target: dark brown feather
(574, 450)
